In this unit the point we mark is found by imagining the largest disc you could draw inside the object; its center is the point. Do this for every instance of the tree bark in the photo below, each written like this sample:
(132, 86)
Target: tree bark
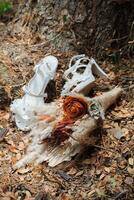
(81, 25)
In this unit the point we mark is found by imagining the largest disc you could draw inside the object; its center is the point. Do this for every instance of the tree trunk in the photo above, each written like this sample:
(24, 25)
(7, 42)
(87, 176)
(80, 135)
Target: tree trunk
(96, 25)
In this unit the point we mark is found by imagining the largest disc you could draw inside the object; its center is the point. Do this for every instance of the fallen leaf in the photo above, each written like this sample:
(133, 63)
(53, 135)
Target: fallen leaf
(79, 173)
(13, 160)
(107, 169)
(83, 195)
(23, 170)
(98, 172)
(64, 175)
(72, 171)
(131, 161)
(130, 170)
(41, 196)
(10, 195)
(4, 115)
(106, 126)
(64, 197)
(28, 195)
(122, 114)
(113, 182)
(13, 149)
(102, 176)
(100, 193)
(21, 178)
(3, 132)
(21, 146)
(122, 164)
(5, 198)
(18, 156)
(129, 180)
(117, 132)
(125, 131)
(92, 160)
(90, 193)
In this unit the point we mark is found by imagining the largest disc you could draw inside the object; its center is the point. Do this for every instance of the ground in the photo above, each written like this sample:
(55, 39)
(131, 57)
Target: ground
(103, 172)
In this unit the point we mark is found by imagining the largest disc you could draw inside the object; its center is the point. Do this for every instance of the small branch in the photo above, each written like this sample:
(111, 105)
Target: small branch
(53, 179)
(120, 195)
(100, 147)
(117, 39)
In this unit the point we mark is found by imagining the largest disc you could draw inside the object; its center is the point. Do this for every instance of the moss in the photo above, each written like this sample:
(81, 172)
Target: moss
(5, 6)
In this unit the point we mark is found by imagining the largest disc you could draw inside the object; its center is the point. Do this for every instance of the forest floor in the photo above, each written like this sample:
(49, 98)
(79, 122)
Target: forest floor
(99, 173)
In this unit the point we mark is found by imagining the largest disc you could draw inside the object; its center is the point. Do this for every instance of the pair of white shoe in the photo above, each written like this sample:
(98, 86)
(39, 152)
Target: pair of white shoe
(79, 78)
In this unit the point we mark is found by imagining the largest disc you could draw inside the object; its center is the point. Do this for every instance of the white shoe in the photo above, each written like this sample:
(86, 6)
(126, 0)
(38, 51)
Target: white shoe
(44, 72)
(79, 77)
(24, 109)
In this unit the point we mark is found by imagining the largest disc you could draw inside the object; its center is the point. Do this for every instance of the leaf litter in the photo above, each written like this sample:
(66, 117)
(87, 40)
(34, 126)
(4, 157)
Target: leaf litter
(100, 173)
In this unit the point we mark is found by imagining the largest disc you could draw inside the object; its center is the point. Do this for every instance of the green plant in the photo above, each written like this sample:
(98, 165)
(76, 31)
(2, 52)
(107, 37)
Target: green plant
(5, 6)
(115, 57)
(113, 182)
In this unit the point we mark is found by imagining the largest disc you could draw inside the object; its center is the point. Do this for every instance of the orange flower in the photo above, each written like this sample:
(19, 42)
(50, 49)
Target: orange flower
(74, 107)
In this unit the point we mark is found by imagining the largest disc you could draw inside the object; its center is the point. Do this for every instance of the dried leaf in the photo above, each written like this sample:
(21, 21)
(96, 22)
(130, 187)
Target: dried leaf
(98, 172)
(3, 132)
(102, 176)
(113, 182)
(131, 161)
(129, 180)
(91, 193)
(106, 126)
(41, 196)
(83, 195)
(122, 164)
(10, 195)
(64, 175)
(6, 116)
(21, 146)
(18, 156)
(92, 160)
(130, 170)
(107, 169)
(5, 198)
(13, 149)
(117, 132)
(87, 161)
(64, 197)
(79, 173)
(100, 193)
(13, 160)
(23, 170)
(72, 171)
(28, 194)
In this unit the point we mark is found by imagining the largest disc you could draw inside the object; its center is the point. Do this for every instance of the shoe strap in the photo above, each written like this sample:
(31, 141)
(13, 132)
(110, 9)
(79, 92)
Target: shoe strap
(25, 89)
(49, 73)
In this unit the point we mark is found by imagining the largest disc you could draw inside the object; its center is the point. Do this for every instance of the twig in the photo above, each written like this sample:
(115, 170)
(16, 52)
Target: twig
(19, 85)
(116, 39)
(3, 132)
(46, 42)
(40, 44)
(54, 180)
(120, 195)
(106, 149)
(123, 117)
